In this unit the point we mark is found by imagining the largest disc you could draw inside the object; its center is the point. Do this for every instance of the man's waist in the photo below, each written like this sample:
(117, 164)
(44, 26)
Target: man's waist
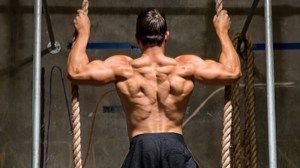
(151, 130)
(158, 136)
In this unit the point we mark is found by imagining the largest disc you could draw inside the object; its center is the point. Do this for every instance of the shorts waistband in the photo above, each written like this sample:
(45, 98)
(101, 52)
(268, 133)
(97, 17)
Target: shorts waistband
(163, 135)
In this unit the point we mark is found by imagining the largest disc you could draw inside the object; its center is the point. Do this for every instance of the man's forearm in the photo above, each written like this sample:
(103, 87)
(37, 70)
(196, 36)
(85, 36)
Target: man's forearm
(78, 57)
(229, 56)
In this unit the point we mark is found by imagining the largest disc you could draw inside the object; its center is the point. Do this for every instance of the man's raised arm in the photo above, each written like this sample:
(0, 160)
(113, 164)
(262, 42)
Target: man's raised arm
(80, 69)
(229, 57)
(227, 69)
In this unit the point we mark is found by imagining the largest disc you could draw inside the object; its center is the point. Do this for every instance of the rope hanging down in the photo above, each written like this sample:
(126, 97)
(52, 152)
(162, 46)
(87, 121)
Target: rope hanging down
(249, 152)
(231, 109)
(76, 111)
(227, 129)
(250, 136)
(227, 114)
(236, 120)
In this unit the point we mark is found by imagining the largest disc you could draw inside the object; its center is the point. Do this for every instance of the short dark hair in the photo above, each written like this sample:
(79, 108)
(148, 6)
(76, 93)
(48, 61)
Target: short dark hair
(151, 27)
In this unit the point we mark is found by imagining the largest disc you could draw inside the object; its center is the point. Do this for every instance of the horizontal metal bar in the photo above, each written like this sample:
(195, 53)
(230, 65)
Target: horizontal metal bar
(288, 10)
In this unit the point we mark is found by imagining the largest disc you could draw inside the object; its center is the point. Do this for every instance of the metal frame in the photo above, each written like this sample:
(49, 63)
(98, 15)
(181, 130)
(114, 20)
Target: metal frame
(36, 92)
(270, 85)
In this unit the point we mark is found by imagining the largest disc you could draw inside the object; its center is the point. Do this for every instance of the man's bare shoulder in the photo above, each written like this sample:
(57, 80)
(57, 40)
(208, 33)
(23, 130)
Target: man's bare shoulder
(120, 64)
(117, 60)
(188, 59)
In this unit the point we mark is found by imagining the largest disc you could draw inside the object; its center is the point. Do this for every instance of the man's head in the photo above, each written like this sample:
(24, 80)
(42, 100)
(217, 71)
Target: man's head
(151, 27)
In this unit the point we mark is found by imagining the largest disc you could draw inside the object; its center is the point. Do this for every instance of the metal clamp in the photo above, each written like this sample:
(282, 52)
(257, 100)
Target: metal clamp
(54, 49)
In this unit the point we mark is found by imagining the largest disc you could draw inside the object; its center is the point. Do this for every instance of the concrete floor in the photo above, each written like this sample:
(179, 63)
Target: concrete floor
(190, 25)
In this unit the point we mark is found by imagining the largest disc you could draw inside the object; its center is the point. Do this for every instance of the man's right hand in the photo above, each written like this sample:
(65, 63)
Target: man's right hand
(222, 22)
(82, 23)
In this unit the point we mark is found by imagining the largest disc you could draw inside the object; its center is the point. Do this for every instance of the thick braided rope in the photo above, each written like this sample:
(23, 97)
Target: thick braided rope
(226, 159)
(236, 128)
(250, 135)
(219, 6)
(227, 114)
(76, 112)
(236, 121)
(76, 127)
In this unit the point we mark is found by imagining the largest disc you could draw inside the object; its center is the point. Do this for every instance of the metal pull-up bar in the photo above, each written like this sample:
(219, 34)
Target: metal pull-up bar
(270, 85)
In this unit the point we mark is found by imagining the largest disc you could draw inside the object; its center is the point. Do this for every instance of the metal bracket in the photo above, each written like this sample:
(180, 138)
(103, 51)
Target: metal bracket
(54, 49)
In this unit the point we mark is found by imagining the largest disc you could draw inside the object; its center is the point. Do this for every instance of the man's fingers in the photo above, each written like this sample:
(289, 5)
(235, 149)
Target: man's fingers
(80, 11)
(215, 18)
(222, 14)
(224, 11)
(76, 18)
(79, 14)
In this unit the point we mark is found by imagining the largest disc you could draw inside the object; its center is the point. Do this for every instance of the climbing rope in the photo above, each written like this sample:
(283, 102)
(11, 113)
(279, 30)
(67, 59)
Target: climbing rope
(219, 6)
(250, 136)
(236, 120)
(249, 153)
(226, 159)
(76, 111)
(236, 127)
(76, 127)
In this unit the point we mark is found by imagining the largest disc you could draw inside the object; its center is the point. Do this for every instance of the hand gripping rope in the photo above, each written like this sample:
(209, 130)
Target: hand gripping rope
(231, 141)
(76, 111)
(226, 140)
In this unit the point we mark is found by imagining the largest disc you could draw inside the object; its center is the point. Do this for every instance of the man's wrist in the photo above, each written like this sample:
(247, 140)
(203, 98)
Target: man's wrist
(224, 37)
(83, 33)
(222, 33)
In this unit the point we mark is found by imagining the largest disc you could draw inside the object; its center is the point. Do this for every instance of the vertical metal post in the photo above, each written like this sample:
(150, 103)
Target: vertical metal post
(36, 91)
(270, 85)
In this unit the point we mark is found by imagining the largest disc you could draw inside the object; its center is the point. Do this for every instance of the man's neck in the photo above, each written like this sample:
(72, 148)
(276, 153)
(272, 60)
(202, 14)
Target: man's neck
(153, 52)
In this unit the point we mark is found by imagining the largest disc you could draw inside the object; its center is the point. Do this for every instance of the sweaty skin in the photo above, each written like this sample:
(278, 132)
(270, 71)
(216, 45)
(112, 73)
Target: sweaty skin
(154, 89)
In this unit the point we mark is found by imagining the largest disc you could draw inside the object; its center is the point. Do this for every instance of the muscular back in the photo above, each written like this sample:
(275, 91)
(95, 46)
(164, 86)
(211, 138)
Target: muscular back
(154, 93)
(154, 89)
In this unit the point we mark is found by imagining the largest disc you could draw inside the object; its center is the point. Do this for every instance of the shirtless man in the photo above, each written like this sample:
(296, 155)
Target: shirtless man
(154, 89)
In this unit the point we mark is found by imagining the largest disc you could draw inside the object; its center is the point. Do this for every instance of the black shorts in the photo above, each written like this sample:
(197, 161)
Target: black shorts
(159, 150)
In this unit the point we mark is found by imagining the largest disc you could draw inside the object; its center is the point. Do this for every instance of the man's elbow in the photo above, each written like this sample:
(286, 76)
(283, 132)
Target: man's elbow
(73, 75)
(235, 76)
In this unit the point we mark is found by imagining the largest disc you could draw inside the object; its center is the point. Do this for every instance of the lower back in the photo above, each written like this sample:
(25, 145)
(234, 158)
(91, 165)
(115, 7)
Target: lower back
(153, 124)
(140, 121)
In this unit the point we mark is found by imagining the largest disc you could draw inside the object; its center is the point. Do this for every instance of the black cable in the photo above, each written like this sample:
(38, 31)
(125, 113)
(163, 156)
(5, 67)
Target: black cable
(49, 111)
(249, 18)
(42, 115)
(247, 24)
(49, 25)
